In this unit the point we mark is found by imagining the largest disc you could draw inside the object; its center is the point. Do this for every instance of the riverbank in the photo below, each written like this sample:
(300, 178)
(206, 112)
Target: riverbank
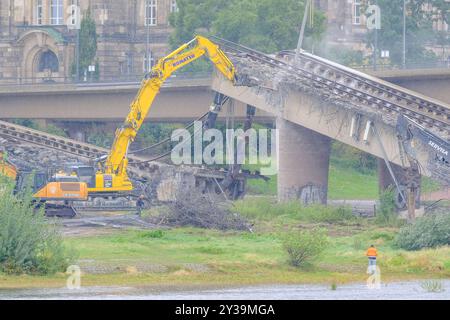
(189, 258)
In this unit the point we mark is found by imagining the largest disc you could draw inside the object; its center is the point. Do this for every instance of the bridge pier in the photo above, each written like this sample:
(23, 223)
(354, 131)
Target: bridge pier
(303, 162)
(406, 178)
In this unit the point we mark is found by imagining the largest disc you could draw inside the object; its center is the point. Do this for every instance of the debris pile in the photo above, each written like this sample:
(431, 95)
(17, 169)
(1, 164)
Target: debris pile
(194, 209)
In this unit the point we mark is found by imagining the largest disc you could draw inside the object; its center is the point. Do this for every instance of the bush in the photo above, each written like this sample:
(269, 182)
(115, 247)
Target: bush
(386, 214)
(432, 286)
(28, 242)
(155, 234)
(427, 232)
(305, 246)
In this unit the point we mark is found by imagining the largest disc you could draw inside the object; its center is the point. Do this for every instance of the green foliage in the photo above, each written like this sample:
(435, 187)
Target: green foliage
(55, 130)
(348, 157)
(49, 128)
(427, 232)
(345, 56)
(213, 250)
(155, 234)
(306, 246)
(386, 213)
(88, 45)
(28, 242)
(269, 209)
(100, 138)
(266, 25)
(419, 31)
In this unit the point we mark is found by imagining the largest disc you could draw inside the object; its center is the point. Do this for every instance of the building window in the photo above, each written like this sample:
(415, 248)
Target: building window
(56, 12)
(150, 12)
(48, 61)
(73, 12)
(173, 6)
(149, 61)
(130, 63)
(39, 12)
(357, 12)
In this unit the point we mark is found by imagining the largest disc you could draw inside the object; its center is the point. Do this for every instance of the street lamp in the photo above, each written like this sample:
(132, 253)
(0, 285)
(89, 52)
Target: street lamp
(302, 31)
(404, 34)
(147, 56)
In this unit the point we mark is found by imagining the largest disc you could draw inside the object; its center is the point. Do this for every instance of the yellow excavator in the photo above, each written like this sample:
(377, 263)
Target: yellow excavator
(54, 192)
(109, 175)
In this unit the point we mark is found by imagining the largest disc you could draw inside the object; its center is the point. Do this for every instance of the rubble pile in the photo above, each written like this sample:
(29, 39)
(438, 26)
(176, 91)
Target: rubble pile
(159, 184)
(201, 210)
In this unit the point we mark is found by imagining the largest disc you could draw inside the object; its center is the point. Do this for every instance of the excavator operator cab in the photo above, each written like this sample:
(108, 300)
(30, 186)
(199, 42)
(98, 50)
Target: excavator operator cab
(84, 174)
(33, 180)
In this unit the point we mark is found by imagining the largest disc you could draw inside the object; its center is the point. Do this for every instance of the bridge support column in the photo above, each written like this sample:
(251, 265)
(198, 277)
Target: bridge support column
(406, 178)
(303, 162)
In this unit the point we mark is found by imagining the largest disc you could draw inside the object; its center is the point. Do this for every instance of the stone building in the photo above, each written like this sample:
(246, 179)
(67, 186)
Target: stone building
(346, 23)
(37, 44)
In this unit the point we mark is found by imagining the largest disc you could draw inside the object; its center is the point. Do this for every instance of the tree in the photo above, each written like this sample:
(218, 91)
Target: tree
(88, 45)
(419, 30)
(267, 25)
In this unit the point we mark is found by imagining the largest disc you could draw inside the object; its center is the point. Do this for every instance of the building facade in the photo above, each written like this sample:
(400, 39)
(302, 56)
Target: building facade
(346, 23)
(38, 43)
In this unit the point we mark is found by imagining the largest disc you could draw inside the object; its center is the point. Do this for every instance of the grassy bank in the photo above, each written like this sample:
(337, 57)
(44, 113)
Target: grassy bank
(187, 258)
(344, 184)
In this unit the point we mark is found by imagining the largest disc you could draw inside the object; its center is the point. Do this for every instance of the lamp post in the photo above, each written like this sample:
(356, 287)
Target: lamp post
(302, 31)
(404, 34)
(147, 56)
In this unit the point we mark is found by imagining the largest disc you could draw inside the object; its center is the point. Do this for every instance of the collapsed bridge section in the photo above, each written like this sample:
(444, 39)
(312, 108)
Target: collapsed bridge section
(316, 100)
(34, 150)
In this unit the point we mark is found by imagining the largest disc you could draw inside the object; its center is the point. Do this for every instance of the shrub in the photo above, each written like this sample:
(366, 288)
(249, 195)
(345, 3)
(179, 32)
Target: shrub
(305, 246)
(28, 242)
(386, 214)
(154, 234)
(427, 232)
(432, 286)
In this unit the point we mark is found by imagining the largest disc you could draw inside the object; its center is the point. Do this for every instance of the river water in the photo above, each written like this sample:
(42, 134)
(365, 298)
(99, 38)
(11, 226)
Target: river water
(391, 291)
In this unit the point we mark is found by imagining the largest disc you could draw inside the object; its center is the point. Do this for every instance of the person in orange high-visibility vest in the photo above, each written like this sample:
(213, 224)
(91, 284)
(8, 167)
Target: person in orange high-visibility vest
(372, 254)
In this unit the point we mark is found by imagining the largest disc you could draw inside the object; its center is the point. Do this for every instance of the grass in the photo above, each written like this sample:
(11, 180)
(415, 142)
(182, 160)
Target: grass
(201, 258)
(344, 184)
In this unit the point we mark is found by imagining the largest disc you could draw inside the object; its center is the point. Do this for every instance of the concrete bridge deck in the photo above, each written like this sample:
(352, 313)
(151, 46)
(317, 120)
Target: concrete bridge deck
(110, 101)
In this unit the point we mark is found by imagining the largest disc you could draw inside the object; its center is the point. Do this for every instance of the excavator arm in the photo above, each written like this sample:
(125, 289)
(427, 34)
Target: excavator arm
(116, 162)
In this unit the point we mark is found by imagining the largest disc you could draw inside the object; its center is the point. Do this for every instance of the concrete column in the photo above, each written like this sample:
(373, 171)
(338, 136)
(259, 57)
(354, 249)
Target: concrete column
(405, 178)
(303, 162)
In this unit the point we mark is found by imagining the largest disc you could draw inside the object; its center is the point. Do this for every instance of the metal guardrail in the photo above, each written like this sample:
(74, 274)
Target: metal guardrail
(441, 64)
(122, 79)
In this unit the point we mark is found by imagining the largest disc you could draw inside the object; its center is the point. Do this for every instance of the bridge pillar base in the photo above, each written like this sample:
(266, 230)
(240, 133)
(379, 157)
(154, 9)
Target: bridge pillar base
(303, 162)
(405, 177)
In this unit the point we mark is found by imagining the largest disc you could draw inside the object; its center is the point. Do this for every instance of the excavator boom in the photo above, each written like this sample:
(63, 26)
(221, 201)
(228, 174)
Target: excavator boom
(116, 162)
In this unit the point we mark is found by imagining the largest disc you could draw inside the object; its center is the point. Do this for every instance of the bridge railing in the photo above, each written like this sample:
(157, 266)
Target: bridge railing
(440, 64)
(104, 80)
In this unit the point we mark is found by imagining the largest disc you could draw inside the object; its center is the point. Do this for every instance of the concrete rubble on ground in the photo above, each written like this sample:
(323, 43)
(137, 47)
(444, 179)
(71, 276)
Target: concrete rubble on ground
(163, 181)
